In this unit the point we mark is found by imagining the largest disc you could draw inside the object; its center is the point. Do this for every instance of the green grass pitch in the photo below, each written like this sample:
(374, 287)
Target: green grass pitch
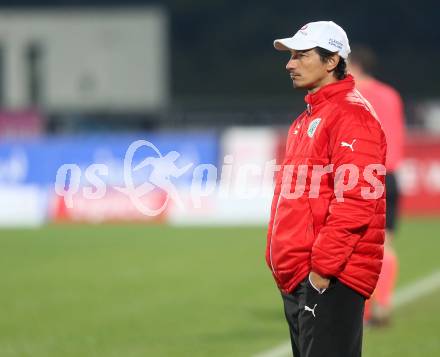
(137, 290)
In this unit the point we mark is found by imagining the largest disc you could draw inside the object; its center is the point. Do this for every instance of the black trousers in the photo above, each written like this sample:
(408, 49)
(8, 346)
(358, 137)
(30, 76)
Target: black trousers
(328, 324)
(392, 197)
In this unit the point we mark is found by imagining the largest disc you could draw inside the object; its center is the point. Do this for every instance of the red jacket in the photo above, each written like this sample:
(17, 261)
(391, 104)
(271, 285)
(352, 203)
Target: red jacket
(334, 238)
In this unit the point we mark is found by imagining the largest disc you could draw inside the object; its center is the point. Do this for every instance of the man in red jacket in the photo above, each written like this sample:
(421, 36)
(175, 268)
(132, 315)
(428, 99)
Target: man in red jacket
(326, 231)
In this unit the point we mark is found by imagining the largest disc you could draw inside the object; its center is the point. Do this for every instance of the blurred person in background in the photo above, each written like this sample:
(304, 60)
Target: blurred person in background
(325, 253)
(388, 105)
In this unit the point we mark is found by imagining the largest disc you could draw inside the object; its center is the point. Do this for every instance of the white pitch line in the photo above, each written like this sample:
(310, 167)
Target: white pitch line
(402, 297)
(416, 290)
(280, 351)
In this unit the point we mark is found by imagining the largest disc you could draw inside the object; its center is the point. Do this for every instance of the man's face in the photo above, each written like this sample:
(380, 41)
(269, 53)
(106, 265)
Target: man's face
(307, 70)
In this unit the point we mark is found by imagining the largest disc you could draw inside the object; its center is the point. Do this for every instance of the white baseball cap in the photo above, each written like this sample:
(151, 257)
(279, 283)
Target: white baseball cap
(325, 34)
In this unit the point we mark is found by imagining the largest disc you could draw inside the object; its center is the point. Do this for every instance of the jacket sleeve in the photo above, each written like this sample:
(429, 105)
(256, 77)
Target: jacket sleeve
(273, 210)
(356, 141)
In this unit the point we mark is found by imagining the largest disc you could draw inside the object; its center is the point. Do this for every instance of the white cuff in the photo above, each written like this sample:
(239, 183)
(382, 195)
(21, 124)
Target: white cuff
(320, 291)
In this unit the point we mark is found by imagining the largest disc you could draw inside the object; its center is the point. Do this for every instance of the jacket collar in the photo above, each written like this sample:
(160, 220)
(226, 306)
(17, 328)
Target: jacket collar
(329, 91)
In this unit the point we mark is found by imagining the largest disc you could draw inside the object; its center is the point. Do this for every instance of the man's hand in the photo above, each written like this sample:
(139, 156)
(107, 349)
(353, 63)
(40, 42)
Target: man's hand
(319, 281)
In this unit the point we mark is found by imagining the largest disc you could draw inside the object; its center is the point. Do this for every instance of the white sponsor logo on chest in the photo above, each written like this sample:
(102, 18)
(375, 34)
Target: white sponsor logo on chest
(313, 126)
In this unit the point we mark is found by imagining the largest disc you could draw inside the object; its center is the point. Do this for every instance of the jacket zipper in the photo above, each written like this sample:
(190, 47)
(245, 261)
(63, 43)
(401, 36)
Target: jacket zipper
(309, 112)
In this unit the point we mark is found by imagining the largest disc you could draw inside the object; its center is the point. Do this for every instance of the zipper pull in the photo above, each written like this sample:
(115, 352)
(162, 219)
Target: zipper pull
(309, 109)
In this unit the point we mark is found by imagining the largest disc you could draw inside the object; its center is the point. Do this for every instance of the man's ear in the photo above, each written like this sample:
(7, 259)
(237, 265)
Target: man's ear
(332, 62)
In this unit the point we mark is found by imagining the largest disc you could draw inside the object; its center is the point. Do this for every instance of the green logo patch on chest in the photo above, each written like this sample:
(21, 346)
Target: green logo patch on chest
(312, 127)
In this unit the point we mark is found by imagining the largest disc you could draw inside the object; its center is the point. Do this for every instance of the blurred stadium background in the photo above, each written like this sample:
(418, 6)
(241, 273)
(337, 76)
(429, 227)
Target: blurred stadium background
(80, 81)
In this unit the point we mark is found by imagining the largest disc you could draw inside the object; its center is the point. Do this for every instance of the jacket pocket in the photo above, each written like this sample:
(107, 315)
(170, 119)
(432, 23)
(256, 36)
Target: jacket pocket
(320, 210)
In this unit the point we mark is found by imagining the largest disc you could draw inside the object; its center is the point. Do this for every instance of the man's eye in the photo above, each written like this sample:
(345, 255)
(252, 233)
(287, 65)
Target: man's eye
(298, 56)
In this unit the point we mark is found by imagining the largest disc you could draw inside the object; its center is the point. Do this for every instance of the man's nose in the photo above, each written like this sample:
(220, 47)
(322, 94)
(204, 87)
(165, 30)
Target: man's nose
(291, 65)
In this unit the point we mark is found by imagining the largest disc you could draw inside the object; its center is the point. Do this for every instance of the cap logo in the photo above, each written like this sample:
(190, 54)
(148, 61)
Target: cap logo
(335, 43)
(302, 30)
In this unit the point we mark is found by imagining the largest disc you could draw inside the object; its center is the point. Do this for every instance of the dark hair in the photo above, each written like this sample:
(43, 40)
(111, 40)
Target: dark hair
(364, 57)
(340, 71)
